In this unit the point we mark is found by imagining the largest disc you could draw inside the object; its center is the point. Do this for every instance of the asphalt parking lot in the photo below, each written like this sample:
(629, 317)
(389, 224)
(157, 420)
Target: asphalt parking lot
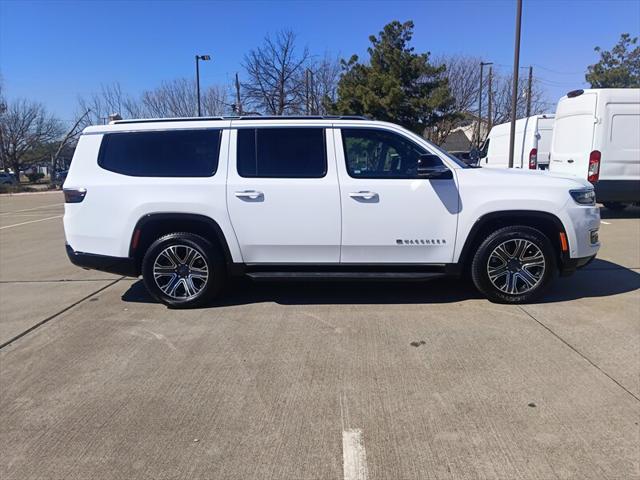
(313, 380)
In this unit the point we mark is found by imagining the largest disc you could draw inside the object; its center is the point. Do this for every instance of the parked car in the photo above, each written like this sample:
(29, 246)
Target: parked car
(597, 137)
(531, 146)
(7, 178)
(187, 203)
(467, 157)
(60, 176)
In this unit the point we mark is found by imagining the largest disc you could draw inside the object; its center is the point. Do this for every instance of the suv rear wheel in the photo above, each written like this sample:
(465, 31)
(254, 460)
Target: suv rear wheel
(183, 270)
(514, 265)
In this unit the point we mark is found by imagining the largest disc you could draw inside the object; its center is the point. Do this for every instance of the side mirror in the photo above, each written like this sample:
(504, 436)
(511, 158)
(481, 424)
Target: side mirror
(431, 167)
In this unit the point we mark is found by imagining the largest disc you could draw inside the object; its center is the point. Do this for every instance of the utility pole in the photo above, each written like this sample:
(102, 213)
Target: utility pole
(306, 91)
(514, 88)
(312, 95)
(529, 91)
(238, 102)
(482, 64)
(490, 108)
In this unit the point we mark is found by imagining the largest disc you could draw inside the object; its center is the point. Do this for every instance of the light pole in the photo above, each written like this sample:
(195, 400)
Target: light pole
(529, 91)
(514, 88)
(204, 58)
(482, 64)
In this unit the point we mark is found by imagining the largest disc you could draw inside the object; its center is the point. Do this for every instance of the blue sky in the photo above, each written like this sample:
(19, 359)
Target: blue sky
(53, 51)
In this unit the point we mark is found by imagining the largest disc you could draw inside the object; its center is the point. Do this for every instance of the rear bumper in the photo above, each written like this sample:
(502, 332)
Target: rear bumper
(570, 265)
(121, 266)
(625, 191)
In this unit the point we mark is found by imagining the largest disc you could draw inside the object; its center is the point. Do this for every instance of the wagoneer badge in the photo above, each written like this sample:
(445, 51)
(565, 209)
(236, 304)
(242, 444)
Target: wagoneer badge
(425, 241)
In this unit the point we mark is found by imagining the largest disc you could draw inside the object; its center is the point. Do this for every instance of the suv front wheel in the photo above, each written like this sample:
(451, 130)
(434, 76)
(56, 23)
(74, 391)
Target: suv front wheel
(183, 270)
(514, 265)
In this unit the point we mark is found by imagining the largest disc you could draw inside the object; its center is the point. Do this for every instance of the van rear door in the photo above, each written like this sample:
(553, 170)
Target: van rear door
(573, 134)
(545, 132)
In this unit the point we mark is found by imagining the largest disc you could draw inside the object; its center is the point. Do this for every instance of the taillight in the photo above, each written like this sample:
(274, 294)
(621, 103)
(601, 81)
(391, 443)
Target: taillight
(594, 166)
(533, 159)
(74, 195)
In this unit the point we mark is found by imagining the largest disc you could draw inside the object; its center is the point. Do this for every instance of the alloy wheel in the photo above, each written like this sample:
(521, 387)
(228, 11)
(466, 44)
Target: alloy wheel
(181, 272)
(516, 266)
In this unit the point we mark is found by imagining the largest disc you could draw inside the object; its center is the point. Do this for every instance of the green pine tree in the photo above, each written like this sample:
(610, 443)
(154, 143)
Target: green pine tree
(396, 85)
(618, 67)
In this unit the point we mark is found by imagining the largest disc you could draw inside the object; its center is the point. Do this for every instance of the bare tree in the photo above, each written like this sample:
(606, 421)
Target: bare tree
(275, 74)
(176, 98)
(215, 101)
(323, 78)
(3, 101)
(25, 126)
(502, 99)
(463, 77)
(69, 138)
(3, 109)
(110, 99)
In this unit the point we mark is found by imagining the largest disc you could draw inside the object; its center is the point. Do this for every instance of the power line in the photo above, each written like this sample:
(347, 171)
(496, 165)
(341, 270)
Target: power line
(537, 65)
(555, 83)
(557, 71)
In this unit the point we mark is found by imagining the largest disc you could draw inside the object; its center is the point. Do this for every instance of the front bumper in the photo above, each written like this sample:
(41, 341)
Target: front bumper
(580, 222)
(570, 265)
(120, 266)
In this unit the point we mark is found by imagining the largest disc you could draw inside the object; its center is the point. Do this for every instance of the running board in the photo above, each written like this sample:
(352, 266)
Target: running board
(344, 275)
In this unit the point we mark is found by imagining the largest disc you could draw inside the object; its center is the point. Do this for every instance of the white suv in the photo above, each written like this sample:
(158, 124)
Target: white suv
(186, 203)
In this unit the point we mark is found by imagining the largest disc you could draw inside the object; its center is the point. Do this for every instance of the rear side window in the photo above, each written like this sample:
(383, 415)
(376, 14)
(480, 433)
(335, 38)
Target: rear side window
(281, 153)
(171, 153)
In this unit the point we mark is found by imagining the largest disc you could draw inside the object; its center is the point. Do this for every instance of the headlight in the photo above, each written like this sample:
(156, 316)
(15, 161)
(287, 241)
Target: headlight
(585, 196)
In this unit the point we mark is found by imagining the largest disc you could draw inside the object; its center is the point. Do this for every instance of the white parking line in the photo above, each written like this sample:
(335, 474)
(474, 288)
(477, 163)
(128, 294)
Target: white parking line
(354, 456)
(35, 208)
(36, 214)
(31, 221)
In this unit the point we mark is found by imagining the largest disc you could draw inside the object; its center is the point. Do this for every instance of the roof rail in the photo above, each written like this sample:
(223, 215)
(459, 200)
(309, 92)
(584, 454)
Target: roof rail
(160, 120)
(301, 117)
(251, 117)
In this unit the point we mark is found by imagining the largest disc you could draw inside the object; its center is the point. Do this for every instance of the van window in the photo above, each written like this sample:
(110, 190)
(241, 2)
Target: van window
(281, 153)
(374, 153)
(170, 153)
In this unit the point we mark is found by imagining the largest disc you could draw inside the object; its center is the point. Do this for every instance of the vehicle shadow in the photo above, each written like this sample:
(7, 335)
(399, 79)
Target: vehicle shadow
(599, 279)
(629, 212)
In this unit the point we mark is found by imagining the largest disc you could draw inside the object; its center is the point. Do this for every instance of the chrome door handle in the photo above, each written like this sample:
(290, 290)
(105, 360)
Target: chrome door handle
(366, 195)
(251, 194)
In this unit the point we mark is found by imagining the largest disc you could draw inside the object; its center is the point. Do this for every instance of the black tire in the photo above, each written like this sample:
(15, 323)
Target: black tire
(184, 244)
(615, 206)
(525, 289)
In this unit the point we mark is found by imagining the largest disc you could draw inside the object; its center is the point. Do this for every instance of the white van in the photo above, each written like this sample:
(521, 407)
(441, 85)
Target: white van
(531, 148)
(597, 137)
